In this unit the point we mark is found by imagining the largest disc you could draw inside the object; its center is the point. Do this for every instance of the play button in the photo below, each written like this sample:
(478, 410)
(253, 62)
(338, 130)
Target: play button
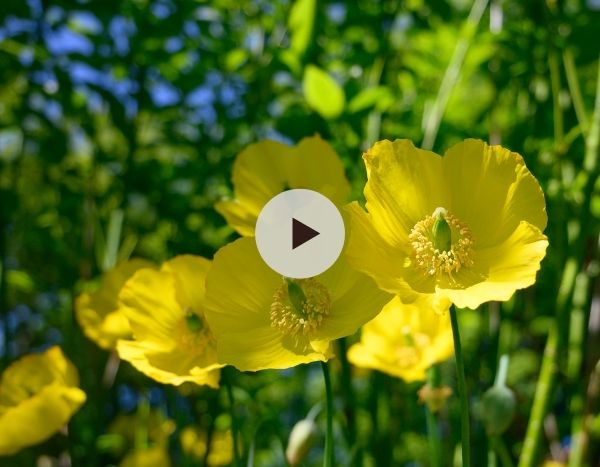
(299, 233)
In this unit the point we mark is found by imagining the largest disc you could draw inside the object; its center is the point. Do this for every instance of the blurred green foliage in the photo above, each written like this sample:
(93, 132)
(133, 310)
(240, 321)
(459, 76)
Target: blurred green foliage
(119, 122)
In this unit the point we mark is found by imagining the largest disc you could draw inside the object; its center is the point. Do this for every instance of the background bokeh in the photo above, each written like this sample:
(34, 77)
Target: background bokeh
(119, 123)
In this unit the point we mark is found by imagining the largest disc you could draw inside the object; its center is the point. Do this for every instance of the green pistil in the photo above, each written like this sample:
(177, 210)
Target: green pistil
(442, 235)
(297, 297)
(409, 340)
(194, 322)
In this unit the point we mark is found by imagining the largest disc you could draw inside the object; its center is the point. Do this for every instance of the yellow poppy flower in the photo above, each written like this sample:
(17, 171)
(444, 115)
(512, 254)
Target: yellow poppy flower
(171, 342)
(147, 457)
(267, 168)
(153, 447)
(98, 313)
(262, 320)
(467, 225)
(405, 340)
(38, 396)
(194, 444)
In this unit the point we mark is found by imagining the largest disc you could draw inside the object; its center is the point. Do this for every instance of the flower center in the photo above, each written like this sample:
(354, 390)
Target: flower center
(299, 306)
(193, 333)
(441, 244)
(409, 353)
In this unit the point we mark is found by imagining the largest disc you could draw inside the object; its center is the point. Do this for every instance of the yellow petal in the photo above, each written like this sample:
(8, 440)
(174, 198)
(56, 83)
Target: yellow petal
(492, 191)
(148, 457)
(158, 305)
(265, 169)
(190, 274)
(97, 312)
(38, 395)
(368, 252)
(149, 302)
(262, 348)
(238, 216)
(404, 340)
(38, 418)
(355, 297)
(178, 372)
(260, 172)
(318, 167)
(239, 288)
(404, 185)
(511, 265)
(240, 319)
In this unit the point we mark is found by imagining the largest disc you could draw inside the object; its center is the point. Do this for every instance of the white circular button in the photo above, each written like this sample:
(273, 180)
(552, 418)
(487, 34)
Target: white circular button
(299, 233)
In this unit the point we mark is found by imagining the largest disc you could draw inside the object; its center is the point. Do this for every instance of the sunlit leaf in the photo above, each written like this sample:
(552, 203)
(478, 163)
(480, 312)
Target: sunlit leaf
(379, 97)
(235, 58)
(300, 23)
(323, 94)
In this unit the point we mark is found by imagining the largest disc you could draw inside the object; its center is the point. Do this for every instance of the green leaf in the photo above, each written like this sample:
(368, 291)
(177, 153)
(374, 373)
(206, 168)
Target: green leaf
(235, 59)
(323, 94)
(300, 23)
(20, 280)
(379, 97)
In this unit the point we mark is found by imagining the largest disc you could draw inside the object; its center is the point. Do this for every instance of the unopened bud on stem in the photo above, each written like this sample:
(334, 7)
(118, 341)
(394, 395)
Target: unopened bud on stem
(301, 440)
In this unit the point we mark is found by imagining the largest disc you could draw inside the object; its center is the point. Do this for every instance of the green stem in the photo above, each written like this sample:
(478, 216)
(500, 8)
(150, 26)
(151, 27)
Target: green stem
(591, 171)
(452, 73)
(574, 90)
(543, 392)
(141, 428)
(329, 457)
(234, 420)
(3, 304)
(462, 391)
(491, 455)
(349, 401)
(501, 450)
(502, 371)
(433, 438)
(558, 115)
(592, 142)
(433, 433)
(575, 368)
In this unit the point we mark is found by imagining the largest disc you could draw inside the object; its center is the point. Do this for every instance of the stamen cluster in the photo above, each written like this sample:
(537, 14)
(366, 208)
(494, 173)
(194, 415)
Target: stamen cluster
(433, 261)
(304, 317)
(193, 333)
(409, 354)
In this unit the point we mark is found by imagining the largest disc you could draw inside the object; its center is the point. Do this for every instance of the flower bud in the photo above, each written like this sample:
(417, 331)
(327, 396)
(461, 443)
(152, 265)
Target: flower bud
(497, 409)
(301, 440)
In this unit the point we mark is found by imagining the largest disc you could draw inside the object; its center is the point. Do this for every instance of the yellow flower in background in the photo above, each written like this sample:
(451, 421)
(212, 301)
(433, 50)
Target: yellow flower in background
(38, 396)
(147, 457)
(267, 168)
(143, 436)
(404, 340)
(467, 226)
(194, 443)
(262, 320)
(172, 342)
(97, 312)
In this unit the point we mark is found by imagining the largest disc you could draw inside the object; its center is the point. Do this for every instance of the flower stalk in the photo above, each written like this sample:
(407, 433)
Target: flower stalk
(329, 456)
(234, 420)
(462, 391)
(433, 432)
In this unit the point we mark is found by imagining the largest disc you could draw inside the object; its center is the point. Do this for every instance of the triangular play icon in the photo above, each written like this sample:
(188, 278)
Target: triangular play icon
(301, 233)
